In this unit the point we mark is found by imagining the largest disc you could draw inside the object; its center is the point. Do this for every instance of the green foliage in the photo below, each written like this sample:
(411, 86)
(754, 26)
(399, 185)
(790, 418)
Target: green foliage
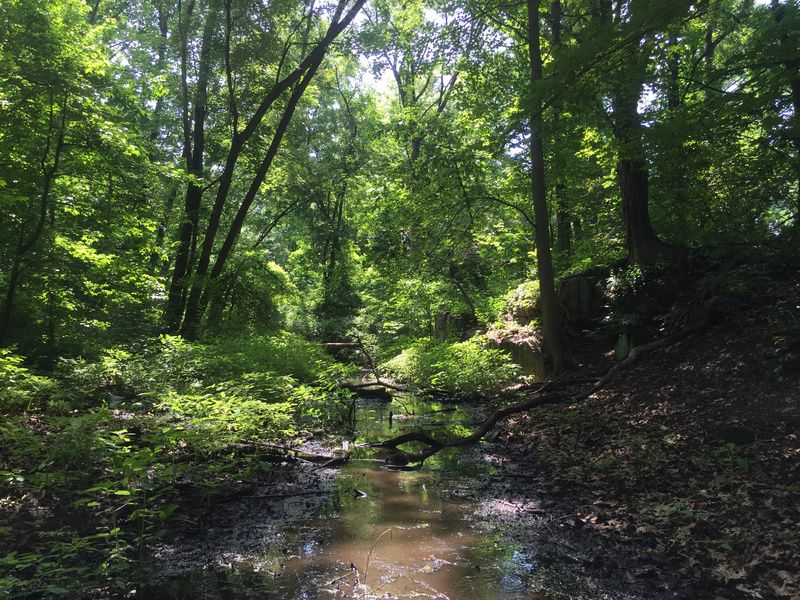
(389, 207)
(20, 388)
(464, 368)
(107, 445)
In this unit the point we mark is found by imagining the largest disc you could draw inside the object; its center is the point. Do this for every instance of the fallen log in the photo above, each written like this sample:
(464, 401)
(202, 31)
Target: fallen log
(475, 436)
(368, 392)
(637, 352)
(378, 383)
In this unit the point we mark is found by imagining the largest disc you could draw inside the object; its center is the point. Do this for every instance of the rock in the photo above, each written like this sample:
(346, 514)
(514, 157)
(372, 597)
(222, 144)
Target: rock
(525, 348)
(581, 299)
(524, 304)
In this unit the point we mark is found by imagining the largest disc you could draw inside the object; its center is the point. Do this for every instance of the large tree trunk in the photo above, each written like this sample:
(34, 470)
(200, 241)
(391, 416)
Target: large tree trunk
(641, 241)
(640, 238)
(553, 336)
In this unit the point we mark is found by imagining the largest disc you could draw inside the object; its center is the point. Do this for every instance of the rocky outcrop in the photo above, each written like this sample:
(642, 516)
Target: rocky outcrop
(582, 299)
(524, 344)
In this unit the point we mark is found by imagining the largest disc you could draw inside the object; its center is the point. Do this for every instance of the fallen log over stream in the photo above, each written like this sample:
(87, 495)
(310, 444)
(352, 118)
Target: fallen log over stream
(373, 389)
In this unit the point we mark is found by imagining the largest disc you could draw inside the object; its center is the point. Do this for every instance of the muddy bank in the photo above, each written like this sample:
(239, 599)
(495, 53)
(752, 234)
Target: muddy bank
(682, 476)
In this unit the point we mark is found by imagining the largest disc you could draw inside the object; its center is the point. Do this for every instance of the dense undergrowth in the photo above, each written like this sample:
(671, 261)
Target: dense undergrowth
(466, 368)
(98, 456)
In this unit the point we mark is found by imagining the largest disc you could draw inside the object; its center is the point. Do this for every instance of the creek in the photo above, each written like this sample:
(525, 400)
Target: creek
(373, 532)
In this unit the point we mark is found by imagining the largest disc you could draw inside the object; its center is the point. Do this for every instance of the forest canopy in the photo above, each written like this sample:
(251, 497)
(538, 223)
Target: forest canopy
(219, 165)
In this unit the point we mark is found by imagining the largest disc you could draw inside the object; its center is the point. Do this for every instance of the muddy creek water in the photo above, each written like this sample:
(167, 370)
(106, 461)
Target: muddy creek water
(379, 532)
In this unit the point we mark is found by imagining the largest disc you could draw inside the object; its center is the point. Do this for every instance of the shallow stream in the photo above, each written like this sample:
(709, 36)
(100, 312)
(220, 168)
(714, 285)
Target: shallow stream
(377, 532)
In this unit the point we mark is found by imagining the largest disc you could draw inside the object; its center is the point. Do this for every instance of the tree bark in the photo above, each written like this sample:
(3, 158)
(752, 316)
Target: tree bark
(553, 336)
(641, 241)
(199, 297)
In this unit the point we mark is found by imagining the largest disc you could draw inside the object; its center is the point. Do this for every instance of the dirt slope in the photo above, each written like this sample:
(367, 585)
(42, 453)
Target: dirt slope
(682, 477)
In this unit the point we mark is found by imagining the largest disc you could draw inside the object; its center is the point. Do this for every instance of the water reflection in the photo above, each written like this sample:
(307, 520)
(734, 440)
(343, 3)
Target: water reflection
(410, 536)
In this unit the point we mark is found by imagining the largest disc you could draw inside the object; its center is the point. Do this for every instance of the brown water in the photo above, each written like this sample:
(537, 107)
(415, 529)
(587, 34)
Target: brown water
(384, 533)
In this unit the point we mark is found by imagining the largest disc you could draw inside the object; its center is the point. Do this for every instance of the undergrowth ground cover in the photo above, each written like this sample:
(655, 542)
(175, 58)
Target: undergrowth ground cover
(97, 457)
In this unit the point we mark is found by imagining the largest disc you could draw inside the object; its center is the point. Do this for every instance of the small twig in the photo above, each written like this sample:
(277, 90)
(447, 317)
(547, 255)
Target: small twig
(345, 576)
(366, 568)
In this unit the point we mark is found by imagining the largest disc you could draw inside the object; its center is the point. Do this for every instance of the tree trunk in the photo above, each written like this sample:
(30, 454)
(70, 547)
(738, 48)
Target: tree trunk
(198, 298)
(553, 337)
(11, 291)
(640, 238)
(49, 174)
(641, 241)
(194, 147)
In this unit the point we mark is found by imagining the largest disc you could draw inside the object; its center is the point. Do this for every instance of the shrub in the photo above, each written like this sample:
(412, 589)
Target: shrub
(19, 387)
(464, 368)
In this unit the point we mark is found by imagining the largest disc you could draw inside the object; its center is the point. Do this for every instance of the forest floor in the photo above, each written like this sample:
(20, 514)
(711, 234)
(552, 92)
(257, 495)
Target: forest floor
(681, 478)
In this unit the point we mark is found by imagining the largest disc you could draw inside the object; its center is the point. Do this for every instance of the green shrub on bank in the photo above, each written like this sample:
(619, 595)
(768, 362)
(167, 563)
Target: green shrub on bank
(19, 386)
(464, 368)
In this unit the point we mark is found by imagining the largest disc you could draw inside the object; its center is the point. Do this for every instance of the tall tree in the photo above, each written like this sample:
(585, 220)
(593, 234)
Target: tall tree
(298, 79)
(553, 336)
(194, 139)
(633, 22)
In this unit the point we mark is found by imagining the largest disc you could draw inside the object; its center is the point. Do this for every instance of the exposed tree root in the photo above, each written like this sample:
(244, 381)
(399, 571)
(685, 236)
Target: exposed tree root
(541, 398)
(643, 349)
